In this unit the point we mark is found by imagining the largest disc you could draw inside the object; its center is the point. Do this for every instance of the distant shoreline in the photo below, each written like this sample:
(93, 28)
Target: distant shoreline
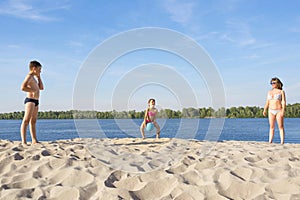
(292, 111)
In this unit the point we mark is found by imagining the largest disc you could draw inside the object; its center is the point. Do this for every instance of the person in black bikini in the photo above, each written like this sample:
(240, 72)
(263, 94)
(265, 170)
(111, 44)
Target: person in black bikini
(32, 86)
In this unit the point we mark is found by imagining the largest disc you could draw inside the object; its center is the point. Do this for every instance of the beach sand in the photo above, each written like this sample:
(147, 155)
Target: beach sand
(133, 168)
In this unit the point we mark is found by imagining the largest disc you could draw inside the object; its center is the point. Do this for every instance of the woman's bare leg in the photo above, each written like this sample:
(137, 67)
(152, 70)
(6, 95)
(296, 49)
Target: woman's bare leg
(272, 119)
(280, 122)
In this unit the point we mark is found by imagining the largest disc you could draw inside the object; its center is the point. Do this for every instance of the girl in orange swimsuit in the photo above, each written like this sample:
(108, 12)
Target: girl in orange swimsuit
(150, 116)
(276, 104)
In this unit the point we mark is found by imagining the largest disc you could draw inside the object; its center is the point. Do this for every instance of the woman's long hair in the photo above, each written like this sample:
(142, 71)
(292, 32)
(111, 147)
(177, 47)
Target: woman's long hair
(279, 84)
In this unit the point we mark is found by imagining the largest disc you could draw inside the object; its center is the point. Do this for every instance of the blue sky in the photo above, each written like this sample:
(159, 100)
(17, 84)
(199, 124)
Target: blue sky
(249, 42)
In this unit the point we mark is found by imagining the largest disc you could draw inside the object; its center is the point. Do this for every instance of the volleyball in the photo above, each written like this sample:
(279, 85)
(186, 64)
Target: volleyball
(149, 126)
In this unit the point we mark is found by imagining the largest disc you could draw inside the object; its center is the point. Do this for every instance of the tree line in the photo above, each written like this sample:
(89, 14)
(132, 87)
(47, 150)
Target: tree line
(292, 111)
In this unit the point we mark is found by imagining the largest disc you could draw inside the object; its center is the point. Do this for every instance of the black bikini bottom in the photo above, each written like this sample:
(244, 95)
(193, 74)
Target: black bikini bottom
(35, 101)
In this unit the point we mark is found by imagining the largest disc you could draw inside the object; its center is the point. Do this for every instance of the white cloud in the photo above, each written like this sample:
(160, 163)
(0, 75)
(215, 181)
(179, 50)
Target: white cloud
(74, 44)
(31, 9)
(181, 12)
(250, 57)
(262, 45)
(14, 46)
(238, 32)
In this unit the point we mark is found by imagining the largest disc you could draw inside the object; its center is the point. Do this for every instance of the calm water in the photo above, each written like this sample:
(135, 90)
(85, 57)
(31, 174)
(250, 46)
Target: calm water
(201, 129)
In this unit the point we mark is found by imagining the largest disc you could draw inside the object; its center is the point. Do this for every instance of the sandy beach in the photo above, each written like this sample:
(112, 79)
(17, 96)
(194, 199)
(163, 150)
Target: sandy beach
(133, 168)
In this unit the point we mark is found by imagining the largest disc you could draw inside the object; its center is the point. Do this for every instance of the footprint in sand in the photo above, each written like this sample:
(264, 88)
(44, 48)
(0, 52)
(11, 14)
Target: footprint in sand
(253, 159)
(156, 189)
(17, 156)
(114, 177)
(242, 173)
(45, 153)
(25, 184)
(65, 193)
(130, 183)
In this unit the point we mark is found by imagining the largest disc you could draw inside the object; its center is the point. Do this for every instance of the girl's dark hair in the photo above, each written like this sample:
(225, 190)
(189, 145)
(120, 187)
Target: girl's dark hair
(151, 100)
(279, 84)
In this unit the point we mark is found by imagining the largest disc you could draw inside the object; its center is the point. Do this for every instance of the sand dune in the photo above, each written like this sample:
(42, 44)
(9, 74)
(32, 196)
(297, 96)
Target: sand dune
(149, 169)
